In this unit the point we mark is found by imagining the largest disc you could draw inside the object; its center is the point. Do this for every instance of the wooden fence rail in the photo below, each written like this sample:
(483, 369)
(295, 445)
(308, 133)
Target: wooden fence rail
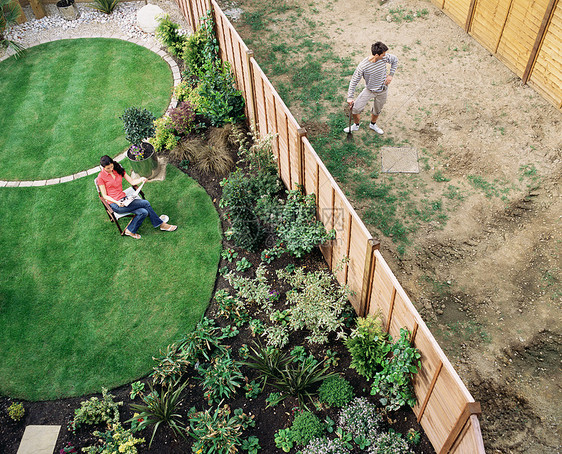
(445, 408)
(525, 35)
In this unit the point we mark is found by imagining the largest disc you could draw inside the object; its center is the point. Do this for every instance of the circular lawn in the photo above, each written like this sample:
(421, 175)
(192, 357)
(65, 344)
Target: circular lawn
(82, 307)
(61, 104)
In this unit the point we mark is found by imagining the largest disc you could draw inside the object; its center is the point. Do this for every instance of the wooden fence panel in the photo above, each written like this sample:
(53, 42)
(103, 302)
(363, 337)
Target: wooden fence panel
(358, 247)
(520, 32)
(488, 20)
(457, 10)
(470, 439)
(311, 182)
(547, 72)
(259, 98)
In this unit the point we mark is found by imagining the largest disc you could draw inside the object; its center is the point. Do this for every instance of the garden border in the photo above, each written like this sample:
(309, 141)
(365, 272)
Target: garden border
(154, 47)
(446, 409)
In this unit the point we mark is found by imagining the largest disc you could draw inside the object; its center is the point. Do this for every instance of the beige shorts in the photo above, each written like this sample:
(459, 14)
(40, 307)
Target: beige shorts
(365, 96)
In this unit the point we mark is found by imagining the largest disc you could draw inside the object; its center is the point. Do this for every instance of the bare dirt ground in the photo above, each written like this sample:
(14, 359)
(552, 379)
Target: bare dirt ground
(489, 282)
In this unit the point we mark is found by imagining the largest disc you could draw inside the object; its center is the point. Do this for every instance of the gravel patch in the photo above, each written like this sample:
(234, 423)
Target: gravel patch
(90, 23)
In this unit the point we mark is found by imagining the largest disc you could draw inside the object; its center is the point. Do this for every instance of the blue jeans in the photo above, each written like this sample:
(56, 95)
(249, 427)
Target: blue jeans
(141, 208)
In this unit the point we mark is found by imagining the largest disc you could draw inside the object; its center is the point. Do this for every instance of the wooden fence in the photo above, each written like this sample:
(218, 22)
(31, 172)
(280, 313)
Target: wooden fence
(445, 408)
(525, 35)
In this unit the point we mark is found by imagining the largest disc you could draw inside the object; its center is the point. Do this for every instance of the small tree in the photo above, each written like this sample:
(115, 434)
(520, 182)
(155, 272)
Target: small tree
(10, 10)
(138, 124)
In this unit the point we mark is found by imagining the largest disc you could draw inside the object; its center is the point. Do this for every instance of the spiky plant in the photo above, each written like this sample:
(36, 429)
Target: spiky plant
(10, 10)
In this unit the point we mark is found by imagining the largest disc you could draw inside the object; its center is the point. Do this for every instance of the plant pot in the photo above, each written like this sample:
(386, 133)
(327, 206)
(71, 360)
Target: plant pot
(67, 9)
(146, 166)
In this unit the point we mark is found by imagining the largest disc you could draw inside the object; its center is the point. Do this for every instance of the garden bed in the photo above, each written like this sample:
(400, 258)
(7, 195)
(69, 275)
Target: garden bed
(267, 420)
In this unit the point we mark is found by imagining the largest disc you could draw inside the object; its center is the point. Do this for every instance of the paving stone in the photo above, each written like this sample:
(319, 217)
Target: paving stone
(399, 160)
(66, 179)
(39, 183)
(3, 183)
(39, 440)
(26, 184)
(12, 184)
(52, 181)
(80, 174)
(93, 170)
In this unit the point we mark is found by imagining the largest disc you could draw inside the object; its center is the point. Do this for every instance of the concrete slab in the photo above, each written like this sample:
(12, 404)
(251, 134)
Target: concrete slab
(399, 160)
(39, 440)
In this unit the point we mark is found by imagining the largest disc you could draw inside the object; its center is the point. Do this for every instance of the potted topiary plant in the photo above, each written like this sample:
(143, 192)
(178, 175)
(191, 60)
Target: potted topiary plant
(67, 9)
(138, 125)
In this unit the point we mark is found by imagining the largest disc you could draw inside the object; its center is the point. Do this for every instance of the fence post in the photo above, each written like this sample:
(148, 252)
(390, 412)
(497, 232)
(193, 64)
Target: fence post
(368, 274)
(470, 408)
(250, 93)
(301, 132)
(538, 42)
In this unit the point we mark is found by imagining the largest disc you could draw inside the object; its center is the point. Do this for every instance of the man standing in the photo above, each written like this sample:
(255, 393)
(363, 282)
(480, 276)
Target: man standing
(373, 70)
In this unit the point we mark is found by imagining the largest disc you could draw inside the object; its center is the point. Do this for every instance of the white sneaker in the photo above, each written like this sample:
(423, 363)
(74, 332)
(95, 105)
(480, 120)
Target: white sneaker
(376, 128)
(354, 127)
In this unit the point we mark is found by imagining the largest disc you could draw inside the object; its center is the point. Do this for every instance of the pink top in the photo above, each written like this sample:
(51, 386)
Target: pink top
(113, 186)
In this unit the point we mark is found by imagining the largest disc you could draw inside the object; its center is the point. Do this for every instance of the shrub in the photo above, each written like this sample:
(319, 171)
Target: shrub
(361, 419)
(104, 6)
(254, 291)
(221, 378)
(183, 118)
(164, 136)
(193, 53)
(298, 229)
(306, 426)
(215, 160)
(95, 411)
(16, 411)
(389, 443)
(326, 446)
(232, 307)
(167, 33)
(204, 342)
(368, 346)
(316, 303)
(394, 381)
(116, 439)
(254, 150)
(336, 391)
(160, 408)
(171, 365)
(216, 431)
(138, 124)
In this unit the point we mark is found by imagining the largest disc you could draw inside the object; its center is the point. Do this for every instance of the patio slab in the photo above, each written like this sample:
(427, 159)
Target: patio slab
(39, 440)
(399, 160)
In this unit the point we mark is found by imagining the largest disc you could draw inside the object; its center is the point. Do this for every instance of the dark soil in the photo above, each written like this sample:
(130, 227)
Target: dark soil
(268, 420)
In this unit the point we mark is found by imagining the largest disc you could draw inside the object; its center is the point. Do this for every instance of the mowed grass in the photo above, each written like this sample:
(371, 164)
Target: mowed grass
(82, 307)
(61, 104)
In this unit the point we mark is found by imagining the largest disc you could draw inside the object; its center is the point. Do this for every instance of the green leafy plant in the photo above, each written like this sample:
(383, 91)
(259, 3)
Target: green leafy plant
(368, 346)
(229, 254)
(243, 264)
(232, 307)
(160, 408)
(326, 445)
(316, 303)
(252, 389)
(299, 231)
(394, 382)
(164, 134)
(335, 391)
(136, 389)
(167, 33)
(204, 341)
(171, 365)
(16, 411)
(413, 437)
(254, 290)
(216, 431)
(116, 439)
(273, 399)
(256, 327)
(305, 427)
(138, 124)
(251, 444)
(389, 443)
(221, 378)
(269, 255)
(10, 10)
(104, 6)
(96, 411)
(284, 440)
(361, 419)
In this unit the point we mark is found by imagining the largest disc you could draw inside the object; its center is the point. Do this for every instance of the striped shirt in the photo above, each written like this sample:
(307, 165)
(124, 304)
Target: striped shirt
(374, 73)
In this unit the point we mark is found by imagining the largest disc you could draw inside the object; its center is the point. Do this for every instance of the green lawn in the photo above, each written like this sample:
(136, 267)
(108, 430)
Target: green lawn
(61, 104)
(82, 307)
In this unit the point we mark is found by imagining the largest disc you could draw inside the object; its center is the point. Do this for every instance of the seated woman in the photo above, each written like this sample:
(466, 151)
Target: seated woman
(110, 182)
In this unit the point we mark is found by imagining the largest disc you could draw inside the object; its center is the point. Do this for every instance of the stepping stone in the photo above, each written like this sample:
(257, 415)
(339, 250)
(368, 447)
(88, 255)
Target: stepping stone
(399, 160)
(39, 440)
